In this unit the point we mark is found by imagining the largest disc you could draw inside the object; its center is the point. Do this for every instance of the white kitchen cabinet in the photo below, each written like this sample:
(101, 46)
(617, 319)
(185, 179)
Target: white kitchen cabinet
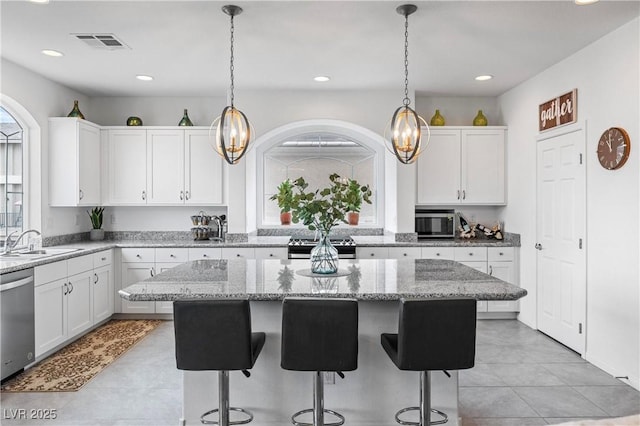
(165, 166)
(79, 303)
(238, 253)
(271, 253)
(203, 170)
(501, 265)
(74, 162)
(372, 252)
(103, 286)
(131, 274)
(404, 252)
(50, 303)
(126, 167)
(196, 253)
(463, 165)
(63, 301)
(482, 305)
(445, 253)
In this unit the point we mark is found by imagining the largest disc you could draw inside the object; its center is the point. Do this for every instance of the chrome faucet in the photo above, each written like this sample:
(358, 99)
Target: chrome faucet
(9, 246)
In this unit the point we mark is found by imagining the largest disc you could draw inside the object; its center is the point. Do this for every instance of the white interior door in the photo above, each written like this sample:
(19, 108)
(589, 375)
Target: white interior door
(561, 255)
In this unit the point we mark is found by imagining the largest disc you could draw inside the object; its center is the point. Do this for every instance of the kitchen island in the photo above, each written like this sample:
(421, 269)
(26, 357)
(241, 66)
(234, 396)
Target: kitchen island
(368, 396)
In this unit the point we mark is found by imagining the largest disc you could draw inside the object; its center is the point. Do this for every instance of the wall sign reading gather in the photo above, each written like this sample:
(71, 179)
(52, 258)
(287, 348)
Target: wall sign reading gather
(559, 111)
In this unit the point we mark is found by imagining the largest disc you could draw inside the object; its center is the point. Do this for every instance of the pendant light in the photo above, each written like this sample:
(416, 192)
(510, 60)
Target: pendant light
(404, 133)
(233, 131)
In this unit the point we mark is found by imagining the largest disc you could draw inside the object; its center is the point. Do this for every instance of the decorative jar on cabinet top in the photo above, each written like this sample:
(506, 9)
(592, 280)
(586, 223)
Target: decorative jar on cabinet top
(437, 119)
(186, 121)
(480, 119)
(75, 112)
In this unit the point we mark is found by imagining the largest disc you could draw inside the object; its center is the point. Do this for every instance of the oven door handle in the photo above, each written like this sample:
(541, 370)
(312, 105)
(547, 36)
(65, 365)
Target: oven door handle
(15, 284)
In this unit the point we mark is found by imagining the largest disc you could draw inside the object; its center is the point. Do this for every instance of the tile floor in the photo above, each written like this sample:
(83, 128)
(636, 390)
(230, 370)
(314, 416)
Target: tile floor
(521, 378)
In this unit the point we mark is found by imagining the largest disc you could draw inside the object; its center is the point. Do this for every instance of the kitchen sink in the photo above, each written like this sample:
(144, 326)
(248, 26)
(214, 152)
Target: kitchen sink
(37, 254)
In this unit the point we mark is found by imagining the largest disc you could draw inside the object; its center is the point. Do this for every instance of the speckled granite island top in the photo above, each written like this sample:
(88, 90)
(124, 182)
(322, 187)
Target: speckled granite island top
(363, 279)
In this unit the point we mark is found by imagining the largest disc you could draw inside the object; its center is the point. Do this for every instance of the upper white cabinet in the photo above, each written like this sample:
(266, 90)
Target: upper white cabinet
(162, 166)
(463, 165)
(126, 166)
(74, 162)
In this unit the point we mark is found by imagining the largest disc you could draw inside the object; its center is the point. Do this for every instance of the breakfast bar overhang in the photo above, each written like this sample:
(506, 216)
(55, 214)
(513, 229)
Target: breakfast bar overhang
(373, 393)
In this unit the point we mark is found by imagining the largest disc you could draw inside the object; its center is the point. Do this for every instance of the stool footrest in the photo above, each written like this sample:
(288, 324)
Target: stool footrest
(236, 422)
(444, 419)
(310, 410)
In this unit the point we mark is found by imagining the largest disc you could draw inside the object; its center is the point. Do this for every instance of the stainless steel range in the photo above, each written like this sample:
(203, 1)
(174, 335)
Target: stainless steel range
(300, 248)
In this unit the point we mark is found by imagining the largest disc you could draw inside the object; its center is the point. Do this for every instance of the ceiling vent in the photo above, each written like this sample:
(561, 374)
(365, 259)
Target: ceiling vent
(101, 41)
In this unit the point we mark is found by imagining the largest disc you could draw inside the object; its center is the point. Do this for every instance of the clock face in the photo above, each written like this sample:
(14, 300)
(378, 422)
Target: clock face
(613, 148)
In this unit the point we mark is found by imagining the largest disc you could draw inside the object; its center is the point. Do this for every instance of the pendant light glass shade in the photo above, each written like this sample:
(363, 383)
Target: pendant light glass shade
(233, 133)
(404, 132)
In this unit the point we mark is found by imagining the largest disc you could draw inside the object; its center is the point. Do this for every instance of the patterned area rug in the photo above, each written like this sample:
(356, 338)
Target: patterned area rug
(74, 365)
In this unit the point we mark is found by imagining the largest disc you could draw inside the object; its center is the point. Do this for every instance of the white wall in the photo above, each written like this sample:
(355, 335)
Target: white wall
(607, 75)
(43, 98)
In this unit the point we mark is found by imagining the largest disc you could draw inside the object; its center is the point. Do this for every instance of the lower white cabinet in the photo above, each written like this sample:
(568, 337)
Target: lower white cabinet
(404, 253)
(372, 252)
(68, 300)
(131, 274)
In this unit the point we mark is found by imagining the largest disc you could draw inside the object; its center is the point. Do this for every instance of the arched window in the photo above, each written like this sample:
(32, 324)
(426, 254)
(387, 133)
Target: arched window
(12, 185)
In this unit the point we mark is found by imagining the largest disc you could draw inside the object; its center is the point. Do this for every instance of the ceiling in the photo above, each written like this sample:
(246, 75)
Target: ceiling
(284, 44)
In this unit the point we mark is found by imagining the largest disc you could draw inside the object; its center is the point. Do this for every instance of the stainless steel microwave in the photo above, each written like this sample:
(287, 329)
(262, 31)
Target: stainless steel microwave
(435, 223)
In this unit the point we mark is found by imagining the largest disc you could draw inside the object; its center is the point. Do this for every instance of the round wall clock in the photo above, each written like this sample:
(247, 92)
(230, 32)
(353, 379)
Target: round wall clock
(613, 148)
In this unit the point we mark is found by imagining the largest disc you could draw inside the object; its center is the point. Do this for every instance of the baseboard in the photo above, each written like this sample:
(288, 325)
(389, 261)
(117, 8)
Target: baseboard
(633, 381)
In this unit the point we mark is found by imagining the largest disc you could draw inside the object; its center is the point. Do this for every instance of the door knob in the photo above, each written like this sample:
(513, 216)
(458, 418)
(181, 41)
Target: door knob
(538, 246)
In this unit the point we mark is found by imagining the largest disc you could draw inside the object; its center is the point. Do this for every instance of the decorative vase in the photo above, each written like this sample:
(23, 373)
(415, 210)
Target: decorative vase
(324, 256)
(96, 234)
(285, 218)
(437, 119)
(75, 112)
(134, 121)
(186, 121)
(480, 119)
(353, 218)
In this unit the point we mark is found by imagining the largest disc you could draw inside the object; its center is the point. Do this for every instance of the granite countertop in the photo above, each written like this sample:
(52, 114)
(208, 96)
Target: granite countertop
(510, 240)
(363, 279)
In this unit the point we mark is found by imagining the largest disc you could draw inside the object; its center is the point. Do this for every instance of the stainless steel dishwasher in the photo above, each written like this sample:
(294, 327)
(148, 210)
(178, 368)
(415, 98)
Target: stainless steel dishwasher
(16, 321)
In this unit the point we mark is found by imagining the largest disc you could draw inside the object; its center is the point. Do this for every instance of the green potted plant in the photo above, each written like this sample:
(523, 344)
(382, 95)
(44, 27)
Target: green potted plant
(320, 211)
(354, 195)
(285, 200)
(97, 233)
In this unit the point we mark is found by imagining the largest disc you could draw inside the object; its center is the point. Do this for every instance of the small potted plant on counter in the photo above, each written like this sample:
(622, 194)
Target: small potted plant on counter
(285, 200)
(97, 233)
(354, 195)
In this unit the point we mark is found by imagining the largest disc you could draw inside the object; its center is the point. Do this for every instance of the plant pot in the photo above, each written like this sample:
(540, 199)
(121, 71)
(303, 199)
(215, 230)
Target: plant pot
(353, 218)
(285, 218)
(96, 234)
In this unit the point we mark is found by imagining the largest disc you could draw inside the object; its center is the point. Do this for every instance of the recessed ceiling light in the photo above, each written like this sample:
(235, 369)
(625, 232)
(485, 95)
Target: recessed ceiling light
(53, 53)
(484, 77)
(585, 2)
(321, 78)
(144, 77)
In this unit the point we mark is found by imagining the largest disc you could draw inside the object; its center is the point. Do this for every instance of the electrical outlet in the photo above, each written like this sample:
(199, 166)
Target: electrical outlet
(77, 220)
(113, 219)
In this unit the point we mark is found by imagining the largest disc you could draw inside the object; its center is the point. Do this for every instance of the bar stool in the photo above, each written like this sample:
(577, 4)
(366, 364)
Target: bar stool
(319, 334)
(216, 335)
(433, 334)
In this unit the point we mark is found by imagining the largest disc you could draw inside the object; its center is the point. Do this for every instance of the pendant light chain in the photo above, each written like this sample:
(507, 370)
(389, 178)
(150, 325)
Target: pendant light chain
(406, 100)
(231, 62)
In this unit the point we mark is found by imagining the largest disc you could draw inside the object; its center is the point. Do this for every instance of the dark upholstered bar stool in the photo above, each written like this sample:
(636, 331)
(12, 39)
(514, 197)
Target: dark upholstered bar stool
(433, 334)
(319, 334)
(216, 335)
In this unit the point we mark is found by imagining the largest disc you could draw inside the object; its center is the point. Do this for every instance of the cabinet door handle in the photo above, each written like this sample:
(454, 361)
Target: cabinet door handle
(187, 195)
(270, 254)
(490, 270)
(152, 272)
(470, 254)
(70, 288)
(103, 259)
(138, 256)
(96, 281)
(464, 194)
(437, 254)
(404, 254)
(458, 191)
(144, 195)
(66, 289)
(237, 254)
(181, 195)
(204, 255)
(81, 194)
(372, 255)
(172, 255)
